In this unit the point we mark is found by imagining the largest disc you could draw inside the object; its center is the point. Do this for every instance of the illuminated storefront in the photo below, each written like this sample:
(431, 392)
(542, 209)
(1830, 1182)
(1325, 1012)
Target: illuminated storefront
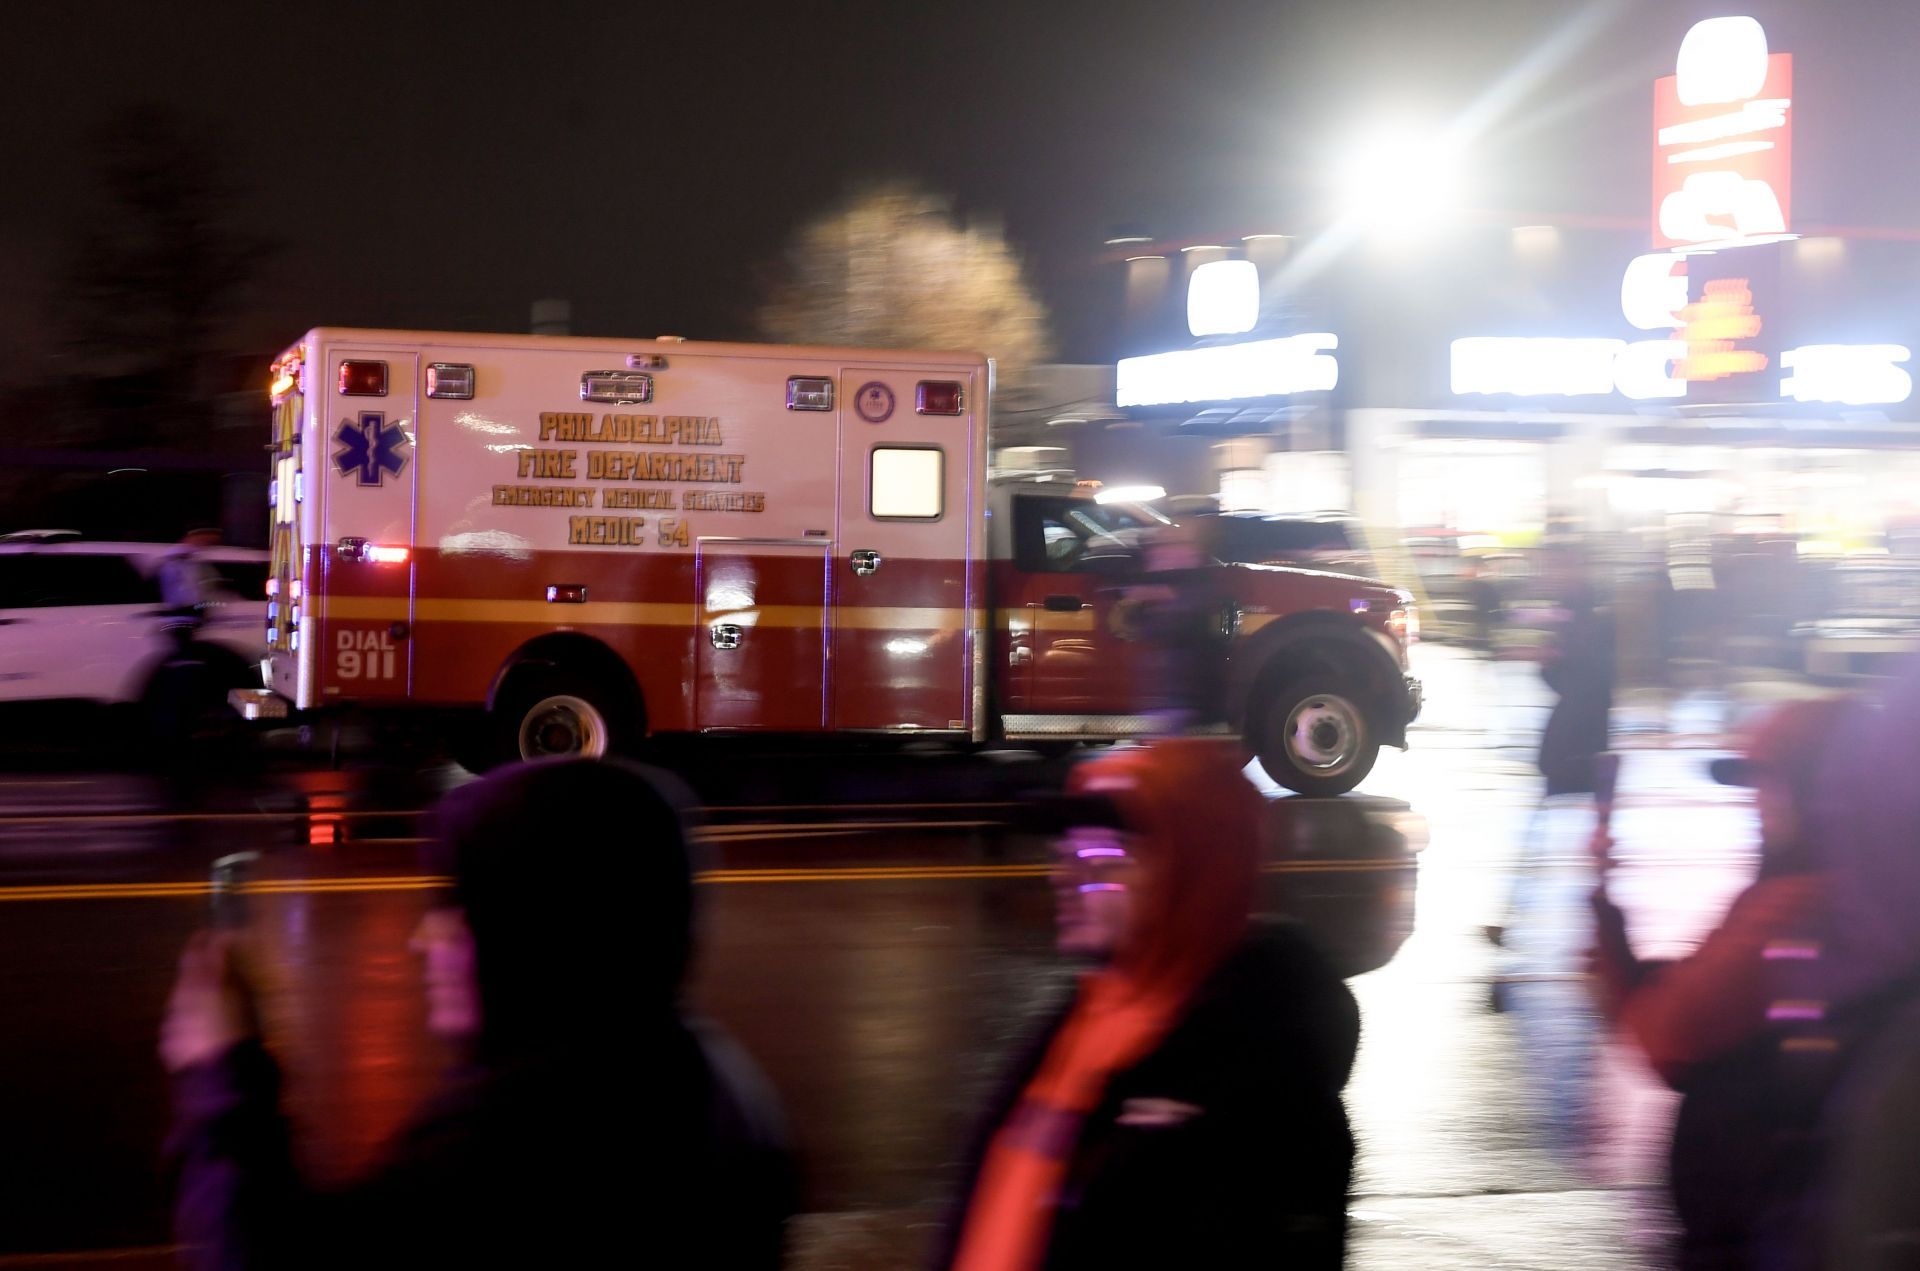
(1717, 359)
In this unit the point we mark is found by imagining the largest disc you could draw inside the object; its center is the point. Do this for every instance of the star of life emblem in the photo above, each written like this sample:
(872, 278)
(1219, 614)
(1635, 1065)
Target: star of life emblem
(370, 448)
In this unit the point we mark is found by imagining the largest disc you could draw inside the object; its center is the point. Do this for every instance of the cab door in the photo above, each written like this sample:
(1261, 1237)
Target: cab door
(902, 582)
(1068, 599)
(368, 402)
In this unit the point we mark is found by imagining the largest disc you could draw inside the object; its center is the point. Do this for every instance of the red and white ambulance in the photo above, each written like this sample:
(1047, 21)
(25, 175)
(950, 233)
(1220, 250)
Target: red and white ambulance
(577, 542)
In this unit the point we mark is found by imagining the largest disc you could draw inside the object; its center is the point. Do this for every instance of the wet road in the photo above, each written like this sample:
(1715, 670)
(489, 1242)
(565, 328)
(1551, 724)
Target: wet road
(878, 959)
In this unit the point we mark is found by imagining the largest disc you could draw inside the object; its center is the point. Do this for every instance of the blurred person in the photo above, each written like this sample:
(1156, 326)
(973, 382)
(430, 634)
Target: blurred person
(187, 582)
(1183, 1109)
(591, 1119)
(1737, 1025)
(1579, 667)
(1484, 604)
(1867, 809)
(1179, 617)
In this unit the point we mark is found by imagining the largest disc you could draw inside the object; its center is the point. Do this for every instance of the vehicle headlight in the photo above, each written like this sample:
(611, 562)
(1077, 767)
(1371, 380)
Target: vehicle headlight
(1404, 622)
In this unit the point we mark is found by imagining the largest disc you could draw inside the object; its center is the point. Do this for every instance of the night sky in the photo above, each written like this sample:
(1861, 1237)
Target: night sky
(443, 166)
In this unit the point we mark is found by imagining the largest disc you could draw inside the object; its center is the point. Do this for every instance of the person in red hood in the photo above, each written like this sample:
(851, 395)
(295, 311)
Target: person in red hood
(1184, 1108)
(1739, 1026)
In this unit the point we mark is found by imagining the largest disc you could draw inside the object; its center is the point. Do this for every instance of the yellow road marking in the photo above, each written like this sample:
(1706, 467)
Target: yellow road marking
(187, 890)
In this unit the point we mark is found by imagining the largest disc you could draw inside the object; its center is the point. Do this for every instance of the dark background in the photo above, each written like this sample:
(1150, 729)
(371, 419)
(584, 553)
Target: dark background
(443, 166)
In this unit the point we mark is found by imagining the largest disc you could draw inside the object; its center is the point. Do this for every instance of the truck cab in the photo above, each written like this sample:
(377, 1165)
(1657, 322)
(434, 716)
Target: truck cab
(1315, 672)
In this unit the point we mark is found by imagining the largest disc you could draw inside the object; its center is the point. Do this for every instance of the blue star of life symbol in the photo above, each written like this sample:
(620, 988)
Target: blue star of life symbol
(370, 448)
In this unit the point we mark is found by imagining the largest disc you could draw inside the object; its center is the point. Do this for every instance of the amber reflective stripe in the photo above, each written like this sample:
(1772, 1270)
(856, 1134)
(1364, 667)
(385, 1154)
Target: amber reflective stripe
(642, 614)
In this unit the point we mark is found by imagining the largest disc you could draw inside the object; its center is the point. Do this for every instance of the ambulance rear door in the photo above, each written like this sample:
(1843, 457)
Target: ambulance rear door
(904, 581)
(366, 404)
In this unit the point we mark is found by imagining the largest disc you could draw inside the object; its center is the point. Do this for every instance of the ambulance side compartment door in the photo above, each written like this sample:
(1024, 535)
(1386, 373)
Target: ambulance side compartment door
(366, 550)
(903, 577)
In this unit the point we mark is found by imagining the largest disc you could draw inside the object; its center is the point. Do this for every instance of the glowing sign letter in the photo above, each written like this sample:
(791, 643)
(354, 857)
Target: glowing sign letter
(1851, 374)
(1743, 208)
(1644, 369)
(1722, 60)
(1653, 291)
(1223, 298)
(1534, 367)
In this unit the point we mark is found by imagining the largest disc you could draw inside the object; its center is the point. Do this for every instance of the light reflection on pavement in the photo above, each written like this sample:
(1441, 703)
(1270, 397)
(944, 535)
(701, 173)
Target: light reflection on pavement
(1523, 1138)
(1527, 1136)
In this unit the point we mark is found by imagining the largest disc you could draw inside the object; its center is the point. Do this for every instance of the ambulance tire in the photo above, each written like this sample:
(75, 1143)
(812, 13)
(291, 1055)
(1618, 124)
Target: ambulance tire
(1317, 739)
(554, 712)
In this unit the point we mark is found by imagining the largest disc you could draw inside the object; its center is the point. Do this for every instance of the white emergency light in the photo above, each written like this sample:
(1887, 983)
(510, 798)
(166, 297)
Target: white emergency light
(810, 392)
(619, 388)
(450, 380)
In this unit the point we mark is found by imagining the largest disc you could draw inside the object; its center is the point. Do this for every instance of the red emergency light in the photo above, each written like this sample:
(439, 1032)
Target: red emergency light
(938, 397)
(363, 379)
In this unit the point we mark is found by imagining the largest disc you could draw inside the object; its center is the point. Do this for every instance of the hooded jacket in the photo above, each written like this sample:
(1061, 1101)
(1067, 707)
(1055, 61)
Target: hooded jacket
(1202, 1124)
(594, 1124)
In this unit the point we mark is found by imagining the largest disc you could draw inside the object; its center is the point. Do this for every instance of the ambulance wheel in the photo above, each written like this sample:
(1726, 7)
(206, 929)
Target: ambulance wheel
(556, 713)
(1317, 740)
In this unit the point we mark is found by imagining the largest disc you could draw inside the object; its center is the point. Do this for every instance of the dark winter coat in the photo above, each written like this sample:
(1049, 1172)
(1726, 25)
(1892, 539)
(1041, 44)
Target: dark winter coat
(606, 1157)
(597, 1127)
(1257, 1175)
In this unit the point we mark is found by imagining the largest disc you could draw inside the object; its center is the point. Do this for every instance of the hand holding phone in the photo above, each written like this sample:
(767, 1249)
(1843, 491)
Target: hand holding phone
(228, 897)
(211, 1009)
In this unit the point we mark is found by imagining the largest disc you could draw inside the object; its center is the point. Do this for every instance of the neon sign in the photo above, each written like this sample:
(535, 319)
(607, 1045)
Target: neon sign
(1546, 367)
(1850, 374)
(1223, 298)
(1723, 139)
(1258, 368)
(1713, 328)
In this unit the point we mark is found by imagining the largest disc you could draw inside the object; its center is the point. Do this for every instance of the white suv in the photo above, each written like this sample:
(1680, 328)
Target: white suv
(84, 621)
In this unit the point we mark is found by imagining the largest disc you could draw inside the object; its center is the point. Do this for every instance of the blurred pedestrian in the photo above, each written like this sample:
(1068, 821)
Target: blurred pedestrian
(1867, 809)
(1484, 607)
(1738, 1026)
(187, 582)
(1180, 616)
(1183, 1109)
(1579, 667)
(592, 1122)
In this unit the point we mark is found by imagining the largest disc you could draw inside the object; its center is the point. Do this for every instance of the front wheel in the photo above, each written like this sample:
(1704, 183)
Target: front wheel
(1316, 738)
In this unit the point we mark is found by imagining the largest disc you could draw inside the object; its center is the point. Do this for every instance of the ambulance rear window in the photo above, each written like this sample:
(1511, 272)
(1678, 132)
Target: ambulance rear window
(907, 483)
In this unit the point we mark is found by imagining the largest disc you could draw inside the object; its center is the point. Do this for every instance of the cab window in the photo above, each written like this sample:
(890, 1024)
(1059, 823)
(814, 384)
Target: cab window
(1068, 535)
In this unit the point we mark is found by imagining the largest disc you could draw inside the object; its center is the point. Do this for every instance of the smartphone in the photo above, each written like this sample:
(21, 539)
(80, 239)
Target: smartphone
(228, 898)
(1606, 778)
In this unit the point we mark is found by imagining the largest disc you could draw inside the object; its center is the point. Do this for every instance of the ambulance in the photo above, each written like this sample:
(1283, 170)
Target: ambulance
(562, 545)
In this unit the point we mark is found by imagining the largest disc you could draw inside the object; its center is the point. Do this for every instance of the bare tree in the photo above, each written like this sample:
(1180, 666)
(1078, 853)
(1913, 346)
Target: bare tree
(156, 264)
(892, 268)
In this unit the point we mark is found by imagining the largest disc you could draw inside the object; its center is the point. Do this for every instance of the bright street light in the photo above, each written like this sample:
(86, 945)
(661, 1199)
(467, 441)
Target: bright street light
(1400, 179)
